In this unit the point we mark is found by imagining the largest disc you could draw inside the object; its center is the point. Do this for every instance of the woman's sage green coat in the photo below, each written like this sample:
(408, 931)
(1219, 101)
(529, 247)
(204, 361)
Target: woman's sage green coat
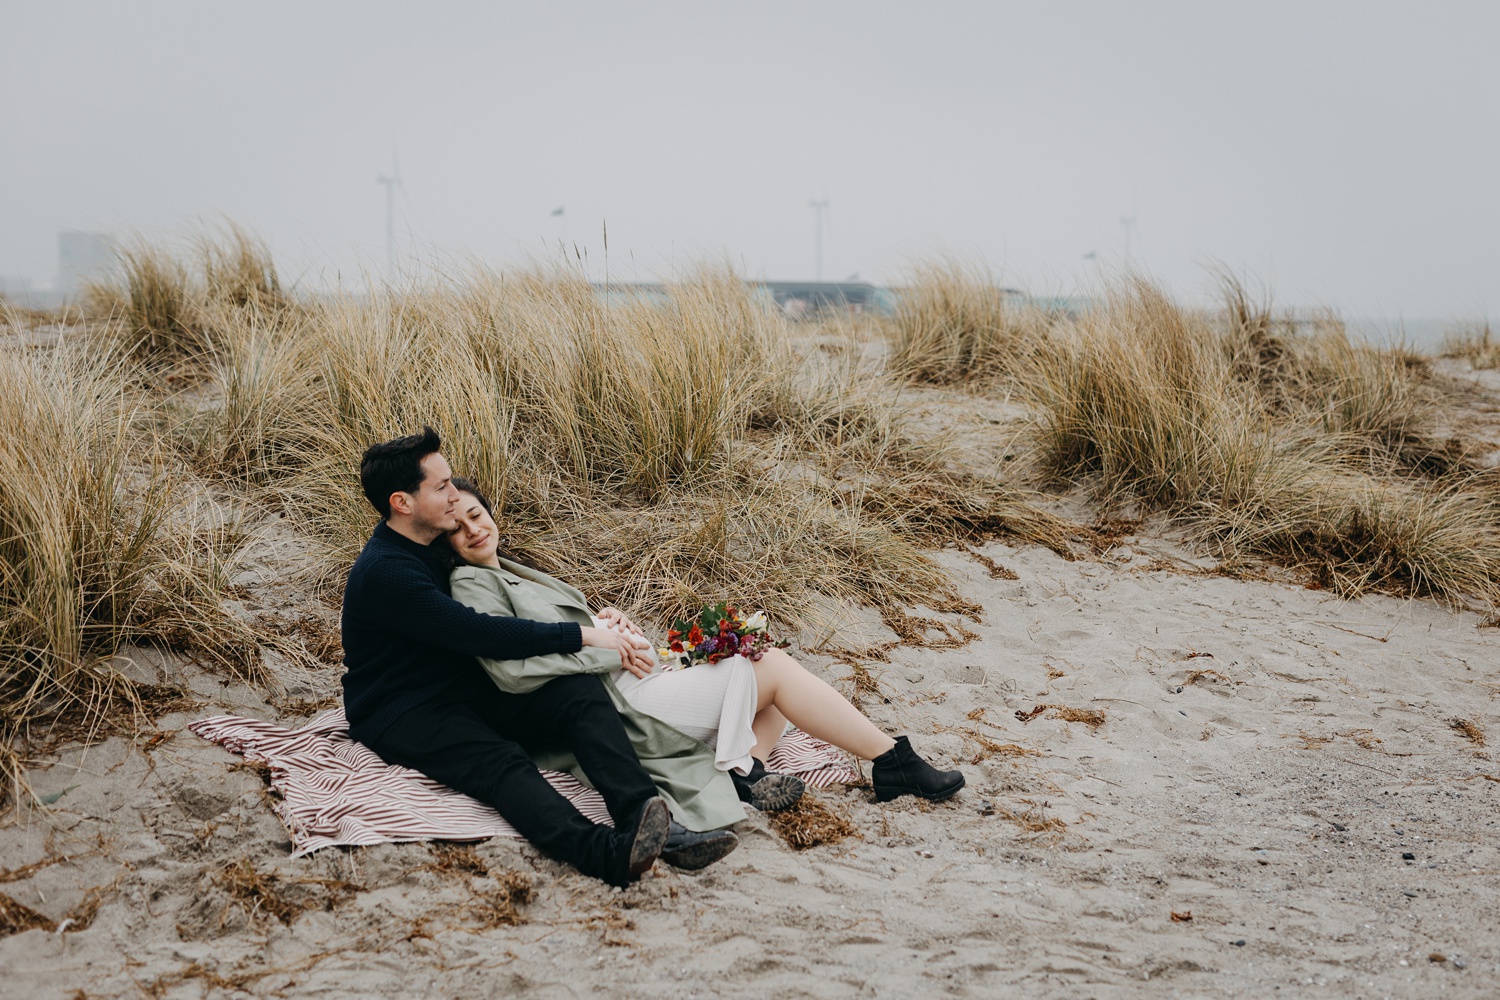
(702, 797)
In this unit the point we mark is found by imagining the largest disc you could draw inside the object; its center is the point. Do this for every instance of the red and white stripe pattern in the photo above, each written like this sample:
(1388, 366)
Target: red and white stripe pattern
(334, 791)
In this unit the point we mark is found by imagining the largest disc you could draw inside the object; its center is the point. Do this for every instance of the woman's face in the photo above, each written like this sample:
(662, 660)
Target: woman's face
(476, 536)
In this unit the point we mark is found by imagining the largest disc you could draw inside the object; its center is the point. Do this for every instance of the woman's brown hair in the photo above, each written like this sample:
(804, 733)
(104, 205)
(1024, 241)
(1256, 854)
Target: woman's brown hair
(441, 542)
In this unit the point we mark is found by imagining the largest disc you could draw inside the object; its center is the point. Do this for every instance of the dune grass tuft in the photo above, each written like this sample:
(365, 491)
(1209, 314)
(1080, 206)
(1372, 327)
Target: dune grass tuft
(167, 310)
(152, 309)
(1251, 436)
(1475, 344)
(1376, 401)
(952, 324)
(99, 546)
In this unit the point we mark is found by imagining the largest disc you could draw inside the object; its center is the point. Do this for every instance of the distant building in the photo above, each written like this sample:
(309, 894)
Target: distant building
(797, 299)
(81, 258)
(808, 298)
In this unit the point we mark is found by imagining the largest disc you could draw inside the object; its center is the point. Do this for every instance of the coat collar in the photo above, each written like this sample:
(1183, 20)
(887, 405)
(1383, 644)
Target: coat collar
(513, 573)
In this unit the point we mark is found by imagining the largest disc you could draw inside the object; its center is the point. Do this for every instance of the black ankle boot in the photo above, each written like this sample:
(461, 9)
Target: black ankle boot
(691, 850)
(766, 791)
(900, 771)
(639, 843)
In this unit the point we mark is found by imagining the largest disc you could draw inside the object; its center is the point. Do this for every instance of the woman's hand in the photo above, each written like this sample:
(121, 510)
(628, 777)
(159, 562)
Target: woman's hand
(617, 617)
(635, 651)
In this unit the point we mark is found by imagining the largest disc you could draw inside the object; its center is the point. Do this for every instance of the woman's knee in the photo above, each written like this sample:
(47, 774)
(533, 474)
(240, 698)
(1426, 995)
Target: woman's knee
(777, 662)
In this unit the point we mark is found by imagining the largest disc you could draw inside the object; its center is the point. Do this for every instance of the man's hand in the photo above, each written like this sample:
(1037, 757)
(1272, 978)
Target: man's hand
(617, 617)
(635, 655)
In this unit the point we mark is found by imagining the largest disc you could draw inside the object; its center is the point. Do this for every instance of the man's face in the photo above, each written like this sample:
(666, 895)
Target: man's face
(431, 507)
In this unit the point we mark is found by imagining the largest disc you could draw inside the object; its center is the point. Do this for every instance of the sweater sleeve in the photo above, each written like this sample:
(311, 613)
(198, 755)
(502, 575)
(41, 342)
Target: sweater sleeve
(402, 598)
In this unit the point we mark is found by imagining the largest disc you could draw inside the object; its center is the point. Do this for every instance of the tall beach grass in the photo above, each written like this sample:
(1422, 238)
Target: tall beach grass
(1475, 344)
(97, 548)
(1152, 404)
(670, 453)
(952, 324)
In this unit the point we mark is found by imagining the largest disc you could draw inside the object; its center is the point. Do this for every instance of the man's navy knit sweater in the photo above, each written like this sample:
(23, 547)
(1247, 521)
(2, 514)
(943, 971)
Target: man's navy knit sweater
(406, 639)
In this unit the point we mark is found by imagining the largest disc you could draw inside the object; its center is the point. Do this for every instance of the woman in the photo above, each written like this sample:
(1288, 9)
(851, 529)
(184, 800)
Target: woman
(737, 708)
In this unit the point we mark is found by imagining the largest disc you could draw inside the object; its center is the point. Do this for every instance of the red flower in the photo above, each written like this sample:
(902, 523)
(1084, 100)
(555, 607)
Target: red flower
(675, 646)
(695, 634)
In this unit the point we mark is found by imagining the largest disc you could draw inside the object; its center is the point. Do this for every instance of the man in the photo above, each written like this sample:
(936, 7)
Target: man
(414, 694)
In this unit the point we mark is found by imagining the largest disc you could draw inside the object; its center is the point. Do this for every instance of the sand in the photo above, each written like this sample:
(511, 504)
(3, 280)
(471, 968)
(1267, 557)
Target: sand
(1280, 797)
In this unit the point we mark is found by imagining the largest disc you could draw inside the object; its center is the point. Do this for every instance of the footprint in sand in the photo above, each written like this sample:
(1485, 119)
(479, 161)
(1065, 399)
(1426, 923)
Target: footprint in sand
(1067, 637)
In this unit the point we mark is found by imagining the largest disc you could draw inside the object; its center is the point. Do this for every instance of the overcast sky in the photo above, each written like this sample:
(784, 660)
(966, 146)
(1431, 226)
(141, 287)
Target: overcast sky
(1345, 154)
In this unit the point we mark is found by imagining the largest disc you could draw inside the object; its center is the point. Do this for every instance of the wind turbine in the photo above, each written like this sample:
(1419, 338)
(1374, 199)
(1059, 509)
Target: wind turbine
(391, 183)
(820, 214)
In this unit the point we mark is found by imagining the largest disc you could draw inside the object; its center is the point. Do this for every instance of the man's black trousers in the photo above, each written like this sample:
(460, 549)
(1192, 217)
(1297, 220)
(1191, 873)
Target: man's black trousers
(469, 738)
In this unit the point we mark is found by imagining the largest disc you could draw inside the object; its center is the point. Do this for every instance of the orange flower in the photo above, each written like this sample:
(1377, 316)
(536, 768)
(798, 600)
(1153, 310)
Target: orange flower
(695, 634)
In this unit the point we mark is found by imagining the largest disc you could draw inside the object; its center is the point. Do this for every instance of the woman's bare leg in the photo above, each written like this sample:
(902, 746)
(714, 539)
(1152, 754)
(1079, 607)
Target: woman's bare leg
(768, 726)
(785, 686)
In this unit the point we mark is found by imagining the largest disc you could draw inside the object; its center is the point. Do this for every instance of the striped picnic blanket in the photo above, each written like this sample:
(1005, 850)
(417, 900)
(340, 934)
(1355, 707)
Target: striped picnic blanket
(333, 791)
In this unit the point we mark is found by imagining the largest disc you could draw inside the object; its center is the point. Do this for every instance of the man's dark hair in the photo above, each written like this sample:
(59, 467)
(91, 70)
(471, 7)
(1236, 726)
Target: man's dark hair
(395, 467)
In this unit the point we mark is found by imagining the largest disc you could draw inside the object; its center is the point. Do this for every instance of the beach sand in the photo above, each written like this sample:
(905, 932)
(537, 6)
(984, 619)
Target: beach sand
(1261, 788)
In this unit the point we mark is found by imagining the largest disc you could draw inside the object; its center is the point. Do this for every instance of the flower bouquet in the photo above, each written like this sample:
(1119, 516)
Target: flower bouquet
(719, 632)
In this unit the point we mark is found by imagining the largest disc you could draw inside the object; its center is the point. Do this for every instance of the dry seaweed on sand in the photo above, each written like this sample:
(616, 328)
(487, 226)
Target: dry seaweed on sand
(1363, 738)
(1469, 730)
(1106, 533)
(811, 823)
(500, 906)
(916, 630)
(264, 892)
(987, 747)
(235, 980)
(994, 569)
(257, 892)
(610, 923)
(1210, 675)
(494, 904)
(16, 917)
(81, 917)
(1091, 717)
(320, 638)
(26, 871)
(458, 860)
(1033, 819)
(864, 681)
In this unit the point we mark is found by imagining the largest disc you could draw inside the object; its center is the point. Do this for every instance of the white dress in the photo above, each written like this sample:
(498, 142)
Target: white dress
(711, 702)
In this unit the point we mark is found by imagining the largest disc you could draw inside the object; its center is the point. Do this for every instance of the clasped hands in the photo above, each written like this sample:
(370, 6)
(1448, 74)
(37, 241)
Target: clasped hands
(624, 637)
